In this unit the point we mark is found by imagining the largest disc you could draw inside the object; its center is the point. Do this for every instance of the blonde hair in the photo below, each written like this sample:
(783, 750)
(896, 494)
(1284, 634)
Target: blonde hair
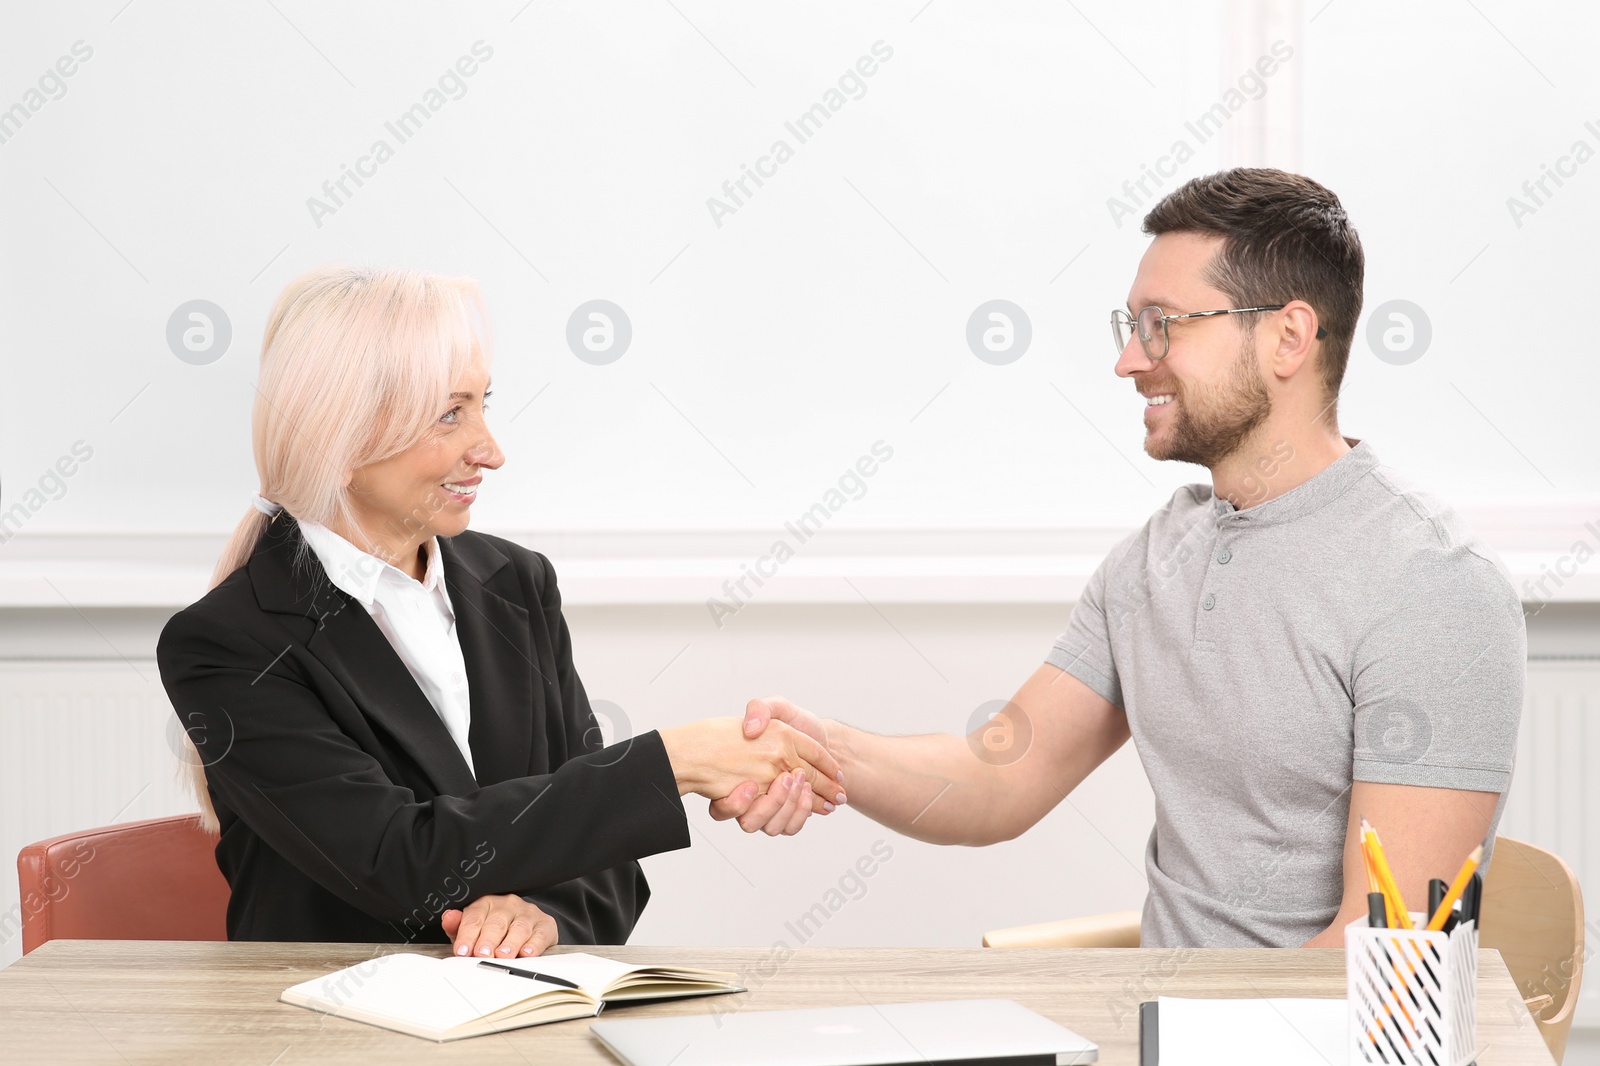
(355, 364)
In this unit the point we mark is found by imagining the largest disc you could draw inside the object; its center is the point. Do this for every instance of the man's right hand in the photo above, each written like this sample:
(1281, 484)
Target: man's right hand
(746, 801)
(757, 713)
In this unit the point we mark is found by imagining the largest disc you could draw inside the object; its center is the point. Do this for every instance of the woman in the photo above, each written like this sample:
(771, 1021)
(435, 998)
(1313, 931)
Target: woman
(385, 714)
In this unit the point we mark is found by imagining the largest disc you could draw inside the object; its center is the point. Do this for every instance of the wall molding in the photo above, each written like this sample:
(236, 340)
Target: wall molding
(835, 565)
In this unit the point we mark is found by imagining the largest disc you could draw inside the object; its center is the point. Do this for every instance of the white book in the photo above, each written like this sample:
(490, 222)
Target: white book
(458, 996)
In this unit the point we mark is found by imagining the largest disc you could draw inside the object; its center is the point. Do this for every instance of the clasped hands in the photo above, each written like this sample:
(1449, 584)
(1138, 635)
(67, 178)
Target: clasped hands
(770, 770)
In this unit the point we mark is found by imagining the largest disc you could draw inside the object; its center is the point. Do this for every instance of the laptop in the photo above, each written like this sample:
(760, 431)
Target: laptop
(968, 1032)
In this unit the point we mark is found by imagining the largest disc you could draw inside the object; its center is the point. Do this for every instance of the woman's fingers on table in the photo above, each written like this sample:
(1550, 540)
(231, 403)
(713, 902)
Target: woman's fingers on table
(541, 934)
(500, 926)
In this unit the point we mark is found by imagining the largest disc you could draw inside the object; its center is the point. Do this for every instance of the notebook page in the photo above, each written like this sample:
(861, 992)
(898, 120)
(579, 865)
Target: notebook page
(419, 990)
(591, 972)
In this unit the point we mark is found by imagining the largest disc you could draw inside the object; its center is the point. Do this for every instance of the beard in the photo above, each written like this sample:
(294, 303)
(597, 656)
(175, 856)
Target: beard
(1213, 421)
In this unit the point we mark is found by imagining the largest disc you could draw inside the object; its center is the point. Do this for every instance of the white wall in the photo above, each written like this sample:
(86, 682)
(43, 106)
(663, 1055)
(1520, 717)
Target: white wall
(830, 310)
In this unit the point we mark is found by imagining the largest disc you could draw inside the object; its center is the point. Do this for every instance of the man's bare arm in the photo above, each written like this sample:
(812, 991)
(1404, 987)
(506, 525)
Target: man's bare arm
(1426, 832)
(979, 789)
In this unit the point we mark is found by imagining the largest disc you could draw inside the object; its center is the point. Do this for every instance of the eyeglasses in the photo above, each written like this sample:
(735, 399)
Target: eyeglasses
(1152, 325)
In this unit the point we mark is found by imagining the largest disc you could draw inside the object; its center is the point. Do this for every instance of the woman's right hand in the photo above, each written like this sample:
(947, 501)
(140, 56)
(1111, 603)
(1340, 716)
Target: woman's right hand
(714, 756)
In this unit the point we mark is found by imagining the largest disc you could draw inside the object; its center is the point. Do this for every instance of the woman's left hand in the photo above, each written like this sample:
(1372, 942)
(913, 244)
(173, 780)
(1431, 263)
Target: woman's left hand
(500, 926)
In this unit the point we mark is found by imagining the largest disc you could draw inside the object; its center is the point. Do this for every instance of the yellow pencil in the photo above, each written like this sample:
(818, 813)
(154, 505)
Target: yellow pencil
(1372, 882)
(1457, 886)
(1373, 885)
(1386, 877)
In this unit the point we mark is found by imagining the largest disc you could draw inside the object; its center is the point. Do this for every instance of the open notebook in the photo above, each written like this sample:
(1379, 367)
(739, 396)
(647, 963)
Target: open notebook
(449, 998)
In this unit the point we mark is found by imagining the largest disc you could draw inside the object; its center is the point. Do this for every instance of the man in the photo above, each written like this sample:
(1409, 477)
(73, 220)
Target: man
(1303, 642)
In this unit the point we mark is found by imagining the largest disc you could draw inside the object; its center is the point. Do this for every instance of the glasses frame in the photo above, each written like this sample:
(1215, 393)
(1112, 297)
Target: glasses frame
(1132, 322)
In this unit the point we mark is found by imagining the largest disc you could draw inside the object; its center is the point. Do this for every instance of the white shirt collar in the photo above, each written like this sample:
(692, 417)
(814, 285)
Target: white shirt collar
(359, 573)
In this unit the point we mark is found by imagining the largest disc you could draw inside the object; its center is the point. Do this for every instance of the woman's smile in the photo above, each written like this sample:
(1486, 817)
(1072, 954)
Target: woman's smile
(463, 491)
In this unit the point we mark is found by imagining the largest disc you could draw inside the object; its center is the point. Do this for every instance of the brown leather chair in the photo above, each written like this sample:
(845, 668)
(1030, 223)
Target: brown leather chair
(151, 880)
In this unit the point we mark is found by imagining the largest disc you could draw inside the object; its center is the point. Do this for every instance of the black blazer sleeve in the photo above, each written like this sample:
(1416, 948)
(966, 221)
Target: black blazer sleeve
(323, 784)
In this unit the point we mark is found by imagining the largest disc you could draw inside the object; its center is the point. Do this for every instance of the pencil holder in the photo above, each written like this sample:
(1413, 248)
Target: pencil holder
(1413, 994)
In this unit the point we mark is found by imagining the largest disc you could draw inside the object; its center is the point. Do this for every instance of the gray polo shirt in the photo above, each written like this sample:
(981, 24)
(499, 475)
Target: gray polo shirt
(1350, 629)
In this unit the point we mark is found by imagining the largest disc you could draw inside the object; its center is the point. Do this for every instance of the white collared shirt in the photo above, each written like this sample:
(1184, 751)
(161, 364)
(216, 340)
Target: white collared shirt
(416, 617)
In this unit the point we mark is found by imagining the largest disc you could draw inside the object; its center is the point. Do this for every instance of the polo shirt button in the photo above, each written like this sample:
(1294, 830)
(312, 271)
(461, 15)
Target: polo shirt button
(1209, 602)
(1224, 555)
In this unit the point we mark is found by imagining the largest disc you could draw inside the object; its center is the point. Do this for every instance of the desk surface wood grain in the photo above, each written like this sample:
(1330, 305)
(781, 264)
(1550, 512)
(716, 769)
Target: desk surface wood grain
(80, 1001)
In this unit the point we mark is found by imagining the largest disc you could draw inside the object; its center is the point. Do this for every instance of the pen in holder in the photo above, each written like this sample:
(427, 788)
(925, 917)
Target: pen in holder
(1413, 994)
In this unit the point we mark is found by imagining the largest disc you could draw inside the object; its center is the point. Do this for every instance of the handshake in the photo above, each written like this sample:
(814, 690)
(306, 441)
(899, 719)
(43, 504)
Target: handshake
(771, 770)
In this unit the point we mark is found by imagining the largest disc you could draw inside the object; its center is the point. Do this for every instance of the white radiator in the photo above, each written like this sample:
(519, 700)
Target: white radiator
(1552, 804)
(82, 744)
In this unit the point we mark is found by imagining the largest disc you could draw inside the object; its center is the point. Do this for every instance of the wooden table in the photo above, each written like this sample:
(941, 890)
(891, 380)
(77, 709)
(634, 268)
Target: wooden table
(81, 1001)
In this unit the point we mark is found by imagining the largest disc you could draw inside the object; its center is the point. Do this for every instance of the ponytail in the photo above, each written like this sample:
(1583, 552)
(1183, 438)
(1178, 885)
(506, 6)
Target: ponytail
(235, 555)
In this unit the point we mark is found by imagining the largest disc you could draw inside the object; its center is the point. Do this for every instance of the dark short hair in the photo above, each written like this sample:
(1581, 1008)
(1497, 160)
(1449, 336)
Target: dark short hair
(1284, 237)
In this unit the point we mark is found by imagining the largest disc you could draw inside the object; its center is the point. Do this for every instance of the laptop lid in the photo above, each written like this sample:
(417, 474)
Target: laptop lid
(972, 1031)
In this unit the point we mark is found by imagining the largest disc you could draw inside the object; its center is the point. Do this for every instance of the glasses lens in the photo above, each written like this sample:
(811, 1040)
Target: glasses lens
(1153, 332)
(1121, 329)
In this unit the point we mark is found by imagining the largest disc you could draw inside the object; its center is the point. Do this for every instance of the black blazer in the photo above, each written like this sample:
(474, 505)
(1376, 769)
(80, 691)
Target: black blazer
(347, 812)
